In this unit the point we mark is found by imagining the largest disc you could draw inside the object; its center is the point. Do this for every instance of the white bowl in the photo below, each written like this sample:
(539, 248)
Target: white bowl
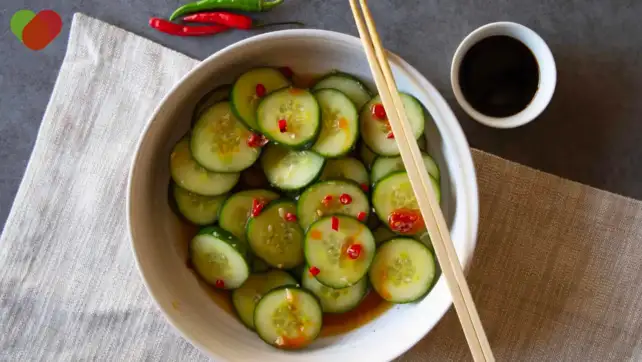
(545, 61)
(158, 239)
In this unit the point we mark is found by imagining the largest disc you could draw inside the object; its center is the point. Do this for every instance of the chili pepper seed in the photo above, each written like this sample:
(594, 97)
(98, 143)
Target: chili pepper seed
(361, 216)
(283, 125)
(345, 199)
(290, 217)
(379, 111)
(260, 90)
(314, 271)
(354, 251)
(326, 200)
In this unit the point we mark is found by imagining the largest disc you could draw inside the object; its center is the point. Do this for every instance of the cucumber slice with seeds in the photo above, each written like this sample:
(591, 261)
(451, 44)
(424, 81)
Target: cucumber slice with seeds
(255, 287)
(219, 94)
(367, 156)
(290, 170)
(274, 239)
(335, 300)
(244, 97)
(328, 250)
(346, 168)
(193, 177)
(288, 317)
(300, 112)
(374, 132)
(339, 126)
(235, 213)
(394, 193)
(198, 209)
(311, 205)
(348, 85)
(219, 141)
(384, 166)
(219, 258)
(402, 271)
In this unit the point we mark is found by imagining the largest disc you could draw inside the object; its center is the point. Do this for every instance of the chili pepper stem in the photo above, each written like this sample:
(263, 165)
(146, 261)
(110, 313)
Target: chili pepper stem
(269, 5)
(203, 5)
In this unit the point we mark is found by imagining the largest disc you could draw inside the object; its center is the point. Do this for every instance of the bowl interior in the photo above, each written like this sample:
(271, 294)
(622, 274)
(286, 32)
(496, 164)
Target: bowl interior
(159, 237)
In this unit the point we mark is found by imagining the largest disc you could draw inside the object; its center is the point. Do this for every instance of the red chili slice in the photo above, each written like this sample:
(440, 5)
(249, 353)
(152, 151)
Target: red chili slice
(345, 199)
(260, 90)
(406, 221)
(335, 223)
(256, 140)
(354, 251)
(219, 284)
(365, 187)
(314, 271)
(283, 125)
(257, 207)
(326, 200)
(390, 135)
(361, 216)
(290, 217)
(379, 111)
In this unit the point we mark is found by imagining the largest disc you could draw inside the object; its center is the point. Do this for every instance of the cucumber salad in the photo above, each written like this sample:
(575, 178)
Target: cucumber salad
(303, 201)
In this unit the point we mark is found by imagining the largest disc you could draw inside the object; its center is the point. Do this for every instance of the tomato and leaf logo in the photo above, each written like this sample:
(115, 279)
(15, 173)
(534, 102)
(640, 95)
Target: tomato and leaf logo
(36, 31)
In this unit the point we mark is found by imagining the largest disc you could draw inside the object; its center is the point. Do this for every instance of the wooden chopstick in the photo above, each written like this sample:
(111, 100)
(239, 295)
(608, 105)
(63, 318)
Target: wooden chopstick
(422, 186)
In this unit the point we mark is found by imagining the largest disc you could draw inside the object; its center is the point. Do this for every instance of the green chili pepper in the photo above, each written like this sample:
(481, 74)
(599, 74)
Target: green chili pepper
(242, 5)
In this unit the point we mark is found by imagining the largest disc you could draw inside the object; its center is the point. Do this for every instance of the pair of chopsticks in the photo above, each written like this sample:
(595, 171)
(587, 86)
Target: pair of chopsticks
(419, 179)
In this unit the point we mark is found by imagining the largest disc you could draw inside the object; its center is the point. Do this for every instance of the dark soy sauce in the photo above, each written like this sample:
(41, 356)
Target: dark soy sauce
(499, 76)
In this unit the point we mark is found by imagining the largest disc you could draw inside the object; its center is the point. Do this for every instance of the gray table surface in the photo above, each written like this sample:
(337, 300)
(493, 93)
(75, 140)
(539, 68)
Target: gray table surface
(591, 132)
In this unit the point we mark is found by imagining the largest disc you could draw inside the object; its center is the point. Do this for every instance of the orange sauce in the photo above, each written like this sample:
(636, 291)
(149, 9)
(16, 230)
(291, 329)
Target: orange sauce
(370, 307)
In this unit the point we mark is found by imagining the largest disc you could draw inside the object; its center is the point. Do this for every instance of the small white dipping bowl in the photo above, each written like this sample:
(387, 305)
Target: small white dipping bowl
(157, 234)
(545, 61)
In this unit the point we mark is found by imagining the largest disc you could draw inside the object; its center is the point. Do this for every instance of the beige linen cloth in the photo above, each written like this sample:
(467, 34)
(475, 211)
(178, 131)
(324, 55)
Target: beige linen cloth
(556, 274)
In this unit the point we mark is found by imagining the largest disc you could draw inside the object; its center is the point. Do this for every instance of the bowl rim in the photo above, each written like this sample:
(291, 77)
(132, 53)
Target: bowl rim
(448, 118)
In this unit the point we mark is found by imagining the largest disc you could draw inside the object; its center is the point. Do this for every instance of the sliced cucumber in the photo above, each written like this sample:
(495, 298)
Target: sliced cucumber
(394, 194)
(274, 239)
(382, 234)
(193, 177)
(346, 168)
(402, 271)
(248, 295)
(219, 258)
(299, 112)
(325, 198)
(219, 94)
(335, 300)
(288, 318)
(374, 132)
(219, 141)
(384, 166)
(198, 209)
(289, 169)
(367, 156)
(329, 250)
(339, 126)
(347, 84)
(245, 100)
(235, 213)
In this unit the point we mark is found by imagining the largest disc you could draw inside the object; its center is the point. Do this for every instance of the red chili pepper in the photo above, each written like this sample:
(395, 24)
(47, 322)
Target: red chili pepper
(390, 135)
(354, 251)
(345, 199)
(168, 27)
(260, 90)
(314, 271)
(379, 111)
(257, 207)
(406, 221)
(232, 20)
(283, 125)
(256, 140)
(326, 200)
(361, 216)
(335, 223)
(365, 187)
(219, 284)
(287, 72)
(290, 217)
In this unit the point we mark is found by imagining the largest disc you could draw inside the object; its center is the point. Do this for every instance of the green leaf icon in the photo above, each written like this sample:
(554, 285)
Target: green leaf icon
(19, 20)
